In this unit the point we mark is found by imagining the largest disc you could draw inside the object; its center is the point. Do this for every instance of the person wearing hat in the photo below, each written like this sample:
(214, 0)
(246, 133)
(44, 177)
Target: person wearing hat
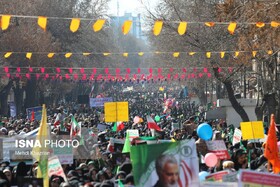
(90, 165)
(55, 181)
(73, 178)
(7, 171)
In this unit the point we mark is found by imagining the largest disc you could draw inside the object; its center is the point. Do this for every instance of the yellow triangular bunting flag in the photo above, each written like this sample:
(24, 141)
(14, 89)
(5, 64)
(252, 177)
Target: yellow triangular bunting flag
(42, 22)
(140, 53)
(157, 27)
(86, 54)
(254, 53)
(231, 27)
(274, 24)
(208, 54)
(50, 55)
(260, 24)
(270, 52)
(176, 54)
(28, 55)
(210, 24)
(75, 24)
(222, 54)
(5, 22)
(236, 54)
(8, 54)
(182, 28)
(125, 54)
(98, 25)
(68, 55)
(106, 54)
(126, 27)
(191, 53)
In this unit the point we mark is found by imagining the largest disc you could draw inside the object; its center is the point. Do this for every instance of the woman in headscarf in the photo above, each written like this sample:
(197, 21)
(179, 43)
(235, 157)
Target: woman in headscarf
(240, 159)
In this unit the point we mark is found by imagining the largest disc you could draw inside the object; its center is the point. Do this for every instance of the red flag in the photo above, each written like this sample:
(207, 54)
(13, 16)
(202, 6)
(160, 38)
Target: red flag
(32, 115)
(120, 126)
(152, 124)
(271, 148)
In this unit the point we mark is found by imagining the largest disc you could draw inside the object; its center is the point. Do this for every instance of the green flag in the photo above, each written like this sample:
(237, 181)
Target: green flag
(126, 147)
(242, 146)
(114, 128)
(120, 184)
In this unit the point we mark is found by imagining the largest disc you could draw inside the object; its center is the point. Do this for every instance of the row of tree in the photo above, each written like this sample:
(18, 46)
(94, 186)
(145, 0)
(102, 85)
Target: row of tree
(263, 79)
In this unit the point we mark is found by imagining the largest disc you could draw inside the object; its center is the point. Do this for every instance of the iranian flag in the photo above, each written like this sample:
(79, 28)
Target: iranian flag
(152, 124)
(118, 126)
(75, 128)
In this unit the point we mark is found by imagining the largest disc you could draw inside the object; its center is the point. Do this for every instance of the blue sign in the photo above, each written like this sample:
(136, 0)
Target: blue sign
(99, 102)
(37, 112)
(13, 109)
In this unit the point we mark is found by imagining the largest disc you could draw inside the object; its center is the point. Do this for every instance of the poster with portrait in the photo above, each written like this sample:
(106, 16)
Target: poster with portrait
(173, 163)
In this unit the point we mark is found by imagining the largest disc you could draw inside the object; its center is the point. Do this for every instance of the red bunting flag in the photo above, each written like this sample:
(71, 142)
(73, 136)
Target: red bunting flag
(84, 77)
(151, 70)
(106, 70)
(37, 76)
(67, 76)
(205, 70)
(58, 70)
(70, 70)
(170, 70)
(18, 69)
(27, 75)
(128, 70)
(94, 70)
(6, 69)
(30, 69)
(139, 70)
(184, 70)
(42, 70)
(82, 70)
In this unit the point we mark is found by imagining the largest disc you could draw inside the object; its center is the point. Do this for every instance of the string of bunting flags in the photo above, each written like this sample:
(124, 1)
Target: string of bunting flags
(97, 74)
(158, 24)
(175, 54)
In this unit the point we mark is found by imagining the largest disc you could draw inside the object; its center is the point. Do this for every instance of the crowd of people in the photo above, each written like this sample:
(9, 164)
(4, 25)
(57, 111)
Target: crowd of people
(101, 165)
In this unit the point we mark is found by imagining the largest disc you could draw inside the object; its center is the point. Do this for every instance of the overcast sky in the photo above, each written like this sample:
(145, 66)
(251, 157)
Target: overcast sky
(130, 6)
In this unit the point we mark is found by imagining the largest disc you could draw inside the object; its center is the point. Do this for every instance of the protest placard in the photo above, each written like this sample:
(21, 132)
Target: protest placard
(231, 177)
(252, 130)
(55, 168)
(144, 158)
(37, 112)
(99, 102)
(218, 176)
(250, 178)
(133, 133)
(219, 148)
(116, 111)
(236, 136)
